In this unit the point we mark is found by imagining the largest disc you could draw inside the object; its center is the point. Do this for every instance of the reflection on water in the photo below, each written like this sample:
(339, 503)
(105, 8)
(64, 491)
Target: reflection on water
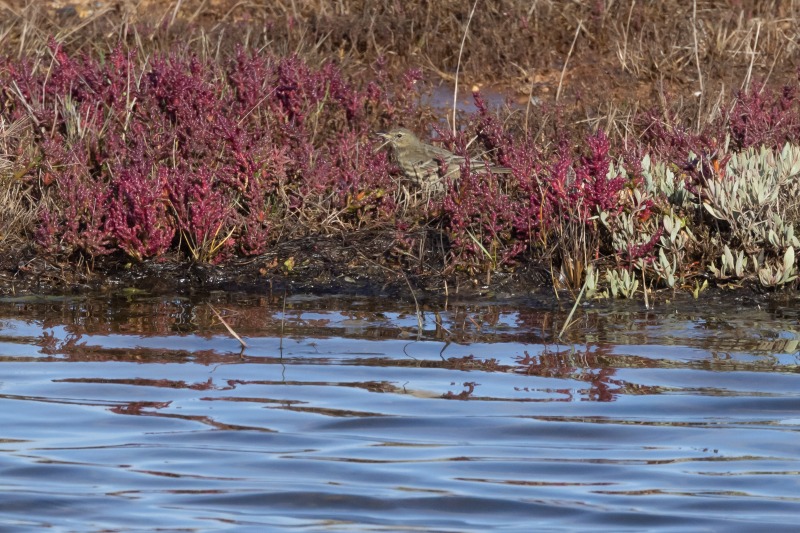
(441, 97)
(132, 412)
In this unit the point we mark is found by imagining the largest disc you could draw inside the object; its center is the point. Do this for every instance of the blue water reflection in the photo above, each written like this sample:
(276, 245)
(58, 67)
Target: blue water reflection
(126, 415)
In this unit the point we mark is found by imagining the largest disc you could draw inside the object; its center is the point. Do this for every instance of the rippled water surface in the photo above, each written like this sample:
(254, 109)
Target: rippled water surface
(131, 412)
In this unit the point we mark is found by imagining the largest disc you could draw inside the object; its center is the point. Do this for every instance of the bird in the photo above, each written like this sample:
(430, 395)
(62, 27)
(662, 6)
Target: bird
(427, 165)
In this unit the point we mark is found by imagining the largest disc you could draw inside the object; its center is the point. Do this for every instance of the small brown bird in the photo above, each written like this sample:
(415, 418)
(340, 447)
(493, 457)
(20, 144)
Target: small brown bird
(427, 165)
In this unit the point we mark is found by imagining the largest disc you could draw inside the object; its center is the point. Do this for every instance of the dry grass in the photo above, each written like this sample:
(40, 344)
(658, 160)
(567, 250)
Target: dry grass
(17, 208)
(720, 45)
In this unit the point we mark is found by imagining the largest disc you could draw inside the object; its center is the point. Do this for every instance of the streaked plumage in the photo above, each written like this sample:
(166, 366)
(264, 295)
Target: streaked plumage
(425, 164)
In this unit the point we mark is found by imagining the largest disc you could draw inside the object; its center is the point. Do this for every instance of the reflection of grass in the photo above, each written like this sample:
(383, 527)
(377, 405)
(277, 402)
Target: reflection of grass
(160, 148)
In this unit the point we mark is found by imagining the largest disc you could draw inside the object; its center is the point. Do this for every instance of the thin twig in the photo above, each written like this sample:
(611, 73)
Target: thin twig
(644, 288)
(458, 65)
(416, 305)
(256, 106)
(625, 38)
(696, 47)
(528, 103)
(697, 62)
(283, 321)
(566, 62)
(746, 85)
(567, 322)
(230, 329)
(175, 13)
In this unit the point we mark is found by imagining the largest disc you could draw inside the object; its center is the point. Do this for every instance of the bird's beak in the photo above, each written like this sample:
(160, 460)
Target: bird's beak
(383, 135)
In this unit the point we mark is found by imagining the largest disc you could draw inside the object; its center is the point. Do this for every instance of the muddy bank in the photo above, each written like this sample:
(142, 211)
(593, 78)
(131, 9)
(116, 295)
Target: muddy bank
(343, 264)
(332, 267)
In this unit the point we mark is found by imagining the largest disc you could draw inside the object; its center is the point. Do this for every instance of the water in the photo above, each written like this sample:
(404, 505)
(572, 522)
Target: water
(132, 412)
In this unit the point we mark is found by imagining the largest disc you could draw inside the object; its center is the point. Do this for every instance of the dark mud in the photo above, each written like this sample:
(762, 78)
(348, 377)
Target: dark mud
(339, 267)
(356, 264)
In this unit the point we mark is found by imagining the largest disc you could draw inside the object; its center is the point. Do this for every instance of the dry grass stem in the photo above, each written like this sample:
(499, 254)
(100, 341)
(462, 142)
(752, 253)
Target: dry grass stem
(228, 327)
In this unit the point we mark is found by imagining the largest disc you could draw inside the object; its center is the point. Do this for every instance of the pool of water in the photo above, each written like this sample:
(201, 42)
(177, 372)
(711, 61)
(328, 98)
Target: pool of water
(131, 412)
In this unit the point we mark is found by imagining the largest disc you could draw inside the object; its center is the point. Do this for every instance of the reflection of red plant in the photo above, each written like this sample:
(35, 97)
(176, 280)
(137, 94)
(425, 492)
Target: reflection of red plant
(138, 408)
(561, 365)
(463, 395)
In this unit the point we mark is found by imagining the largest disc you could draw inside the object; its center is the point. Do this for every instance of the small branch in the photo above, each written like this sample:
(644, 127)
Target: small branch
(568, 322)
(230, 329)
(420, 324)
(746, 85)
(696, 47)
(644, 288)
(458, 65)
(283, 319)
(566, 62)
(697, 62)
